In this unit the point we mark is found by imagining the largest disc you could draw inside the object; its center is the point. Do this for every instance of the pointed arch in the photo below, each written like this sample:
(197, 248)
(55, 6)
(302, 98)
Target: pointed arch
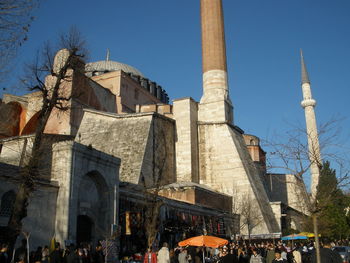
(12, 116)
(30, 127)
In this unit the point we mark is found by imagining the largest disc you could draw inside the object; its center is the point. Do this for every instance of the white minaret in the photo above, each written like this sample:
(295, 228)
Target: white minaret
(308, 103)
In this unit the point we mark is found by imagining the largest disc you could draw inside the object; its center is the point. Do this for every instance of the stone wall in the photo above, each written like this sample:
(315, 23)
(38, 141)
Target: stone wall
(159, 166)
(226, 166)
(88, 185)
(41, 211)
(34, 104)
(185, 115)
(288, 189)
(144, 142)
(12, 149)
(84, 93)
(198, 195)
(128, 92)
(277, 187)
(123, 136)
(17, 151)
(277, 212)
(298, 197)
(40, 220)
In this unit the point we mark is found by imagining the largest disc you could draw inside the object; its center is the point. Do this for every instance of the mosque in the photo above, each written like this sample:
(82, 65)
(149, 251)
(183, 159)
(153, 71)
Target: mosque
(121, 135)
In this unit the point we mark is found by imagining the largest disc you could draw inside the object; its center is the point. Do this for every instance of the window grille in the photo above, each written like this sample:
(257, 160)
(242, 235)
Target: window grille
(7, 203)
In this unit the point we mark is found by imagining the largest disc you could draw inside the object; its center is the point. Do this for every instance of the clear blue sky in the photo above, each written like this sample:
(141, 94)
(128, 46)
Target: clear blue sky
(161, 38)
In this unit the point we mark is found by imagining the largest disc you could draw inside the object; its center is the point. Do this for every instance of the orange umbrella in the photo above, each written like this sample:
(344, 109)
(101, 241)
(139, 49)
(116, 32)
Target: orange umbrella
(203, 241)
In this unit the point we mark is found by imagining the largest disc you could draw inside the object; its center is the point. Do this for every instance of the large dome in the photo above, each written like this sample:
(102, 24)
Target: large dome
(104, 66)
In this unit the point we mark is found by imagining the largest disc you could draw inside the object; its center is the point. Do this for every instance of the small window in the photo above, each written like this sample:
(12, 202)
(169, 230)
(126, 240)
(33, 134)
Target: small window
(136, 94)
(252, 142)
(7, 203)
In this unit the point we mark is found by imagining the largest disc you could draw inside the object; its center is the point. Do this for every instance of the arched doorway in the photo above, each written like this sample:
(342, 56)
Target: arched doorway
(93, 208)
(84, 229)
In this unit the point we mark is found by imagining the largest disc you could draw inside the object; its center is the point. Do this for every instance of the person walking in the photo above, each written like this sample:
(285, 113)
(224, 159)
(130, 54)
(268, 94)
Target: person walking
(56, 255)
(163, 254)
(278, 257)
(37, 255)
(327, 254)
(21, 252)
(228, 257)
(183, 257)
(255, 257)
(173, 256)
(296, 255)
(45, 255)
(97, 256)
(4, 257)
(270, 254)
(243, 256)
(150, 256)
(198, 258)
(72, 257)
(305, 254)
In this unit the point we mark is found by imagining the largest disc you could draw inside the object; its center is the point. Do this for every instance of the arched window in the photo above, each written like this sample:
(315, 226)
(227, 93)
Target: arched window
(7, 203)
(252, 142)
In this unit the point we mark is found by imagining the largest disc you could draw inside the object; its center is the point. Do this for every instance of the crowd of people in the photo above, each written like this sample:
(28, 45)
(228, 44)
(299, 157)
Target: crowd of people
(233, 252)
(70, 254)
(243, 252)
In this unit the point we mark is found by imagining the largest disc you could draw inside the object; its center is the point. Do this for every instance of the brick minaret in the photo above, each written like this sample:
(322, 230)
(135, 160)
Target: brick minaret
(215, 104)
(308, 103)
(223, 158)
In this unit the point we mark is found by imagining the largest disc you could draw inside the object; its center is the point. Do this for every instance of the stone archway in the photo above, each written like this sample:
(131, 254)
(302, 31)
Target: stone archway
(30, 126)
(93, 204)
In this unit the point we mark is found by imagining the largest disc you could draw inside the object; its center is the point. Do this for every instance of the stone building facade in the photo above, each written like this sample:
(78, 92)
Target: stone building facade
(121, 136)
(74, 180)
(89, 148)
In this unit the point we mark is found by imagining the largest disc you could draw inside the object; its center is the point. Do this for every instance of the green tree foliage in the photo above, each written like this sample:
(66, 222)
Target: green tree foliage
(331, 204)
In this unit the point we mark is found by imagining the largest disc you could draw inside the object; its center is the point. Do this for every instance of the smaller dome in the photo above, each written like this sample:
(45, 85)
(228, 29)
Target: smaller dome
(104, 66)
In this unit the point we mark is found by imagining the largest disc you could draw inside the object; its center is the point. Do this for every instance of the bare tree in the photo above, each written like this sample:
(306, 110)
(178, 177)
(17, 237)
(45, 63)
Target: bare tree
(250, 214)
(57, 70)
(154, 202)
(15, 20)
(293, 155)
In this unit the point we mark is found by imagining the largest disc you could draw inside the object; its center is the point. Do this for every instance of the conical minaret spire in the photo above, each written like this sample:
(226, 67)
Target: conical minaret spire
(108, 54)
(304, 74)
(308, 103)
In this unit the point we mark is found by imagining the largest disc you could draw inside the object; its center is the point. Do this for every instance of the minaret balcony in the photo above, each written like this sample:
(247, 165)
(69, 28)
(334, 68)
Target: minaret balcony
(308, 102)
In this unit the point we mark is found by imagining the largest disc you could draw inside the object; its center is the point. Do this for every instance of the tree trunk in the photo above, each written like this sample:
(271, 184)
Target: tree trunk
(317, 241)
(152, 219)
(28, 175)
(19, 212)
(30, 172)
(249, 234)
